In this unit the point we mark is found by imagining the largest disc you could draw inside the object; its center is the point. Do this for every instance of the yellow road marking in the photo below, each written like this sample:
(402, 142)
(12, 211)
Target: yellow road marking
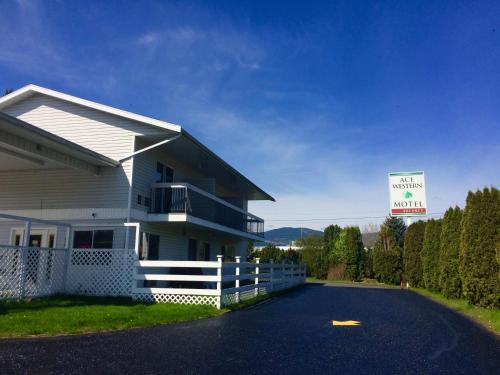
(346, 323)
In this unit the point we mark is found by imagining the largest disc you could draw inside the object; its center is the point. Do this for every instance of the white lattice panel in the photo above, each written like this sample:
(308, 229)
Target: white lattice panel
(10, 272)
(100, 272)
(30, 271)
(176, 298)
(44, 272)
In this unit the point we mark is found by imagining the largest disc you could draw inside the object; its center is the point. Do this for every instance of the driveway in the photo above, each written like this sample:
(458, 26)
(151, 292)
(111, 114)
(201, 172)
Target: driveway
(400, 333)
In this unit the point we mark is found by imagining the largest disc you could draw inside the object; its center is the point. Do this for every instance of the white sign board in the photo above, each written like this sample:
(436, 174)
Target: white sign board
(407, 194)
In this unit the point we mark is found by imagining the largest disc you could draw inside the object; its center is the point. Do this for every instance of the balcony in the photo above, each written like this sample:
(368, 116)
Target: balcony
(184, 198)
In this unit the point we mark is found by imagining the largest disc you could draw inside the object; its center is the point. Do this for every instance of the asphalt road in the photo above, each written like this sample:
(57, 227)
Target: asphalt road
(400, 333)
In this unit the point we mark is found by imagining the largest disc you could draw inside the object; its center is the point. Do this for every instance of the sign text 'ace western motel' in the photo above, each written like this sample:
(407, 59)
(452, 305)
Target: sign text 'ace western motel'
(407, 194)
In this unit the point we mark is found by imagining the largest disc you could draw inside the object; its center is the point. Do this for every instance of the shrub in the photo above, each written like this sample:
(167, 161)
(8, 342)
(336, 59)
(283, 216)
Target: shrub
(413, 243)
(449, 277)
(479, 248)
(430, 255)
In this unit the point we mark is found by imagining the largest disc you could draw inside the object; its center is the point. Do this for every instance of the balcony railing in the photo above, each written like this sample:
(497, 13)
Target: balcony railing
(185, 198)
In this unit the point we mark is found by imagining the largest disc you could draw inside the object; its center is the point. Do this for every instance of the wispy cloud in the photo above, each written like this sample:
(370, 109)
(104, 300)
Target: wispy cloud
(252, 95)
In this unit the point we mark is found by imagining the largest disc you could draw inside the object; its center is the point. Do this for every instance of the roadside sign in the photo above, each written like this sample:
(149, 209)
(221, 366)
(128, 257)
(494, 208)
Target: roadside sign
(407, 194)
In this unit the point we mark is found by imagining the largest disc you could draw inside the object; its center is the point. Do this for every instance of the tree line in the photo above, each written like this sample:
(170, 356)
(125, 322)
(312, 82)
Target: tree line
(458, 255)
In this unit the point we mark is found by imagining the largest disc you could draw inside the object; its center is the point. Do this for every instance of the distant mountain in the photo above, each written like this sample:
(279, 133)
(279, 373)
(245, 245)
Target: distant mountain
(283, 236)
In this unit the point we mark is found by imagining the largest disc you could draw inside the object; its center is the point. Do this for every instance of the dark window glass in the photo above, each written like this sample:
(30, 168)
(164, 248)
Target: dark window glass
(164, 173)
(147, 201)
(193, 244)
(103, 239)
(207, 252)
(168, 175)
(52, 241)
(82, 239)
(139, 199)
(159, 172)
(153, 247)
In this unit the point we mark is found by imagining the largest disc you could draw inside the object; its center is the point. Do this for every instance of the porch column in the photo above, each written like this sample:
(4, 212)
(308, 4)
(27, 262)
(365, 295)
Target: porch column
(24, 258)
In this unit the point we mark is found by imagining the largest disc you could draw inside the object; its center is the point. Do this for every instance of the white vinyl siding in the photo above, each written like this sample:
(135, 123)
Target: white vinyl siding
(106, 134)
(174, 241)
(63, 188)
(101, 132)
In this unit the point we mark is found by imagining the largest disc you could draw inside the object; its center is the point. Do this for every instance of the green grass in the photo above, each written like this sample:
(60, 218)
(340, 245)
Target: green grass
(70, 315)
(489, 318)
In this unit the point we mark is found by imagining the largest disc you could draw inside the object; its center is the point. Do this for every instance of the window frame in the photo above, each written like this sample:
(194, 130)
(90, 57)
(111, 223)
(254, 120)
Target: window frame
(92, 244)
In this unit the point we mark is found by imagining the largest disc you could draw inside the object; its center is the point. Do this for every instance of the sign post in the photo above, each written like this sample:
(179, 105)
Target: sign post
(407, 194)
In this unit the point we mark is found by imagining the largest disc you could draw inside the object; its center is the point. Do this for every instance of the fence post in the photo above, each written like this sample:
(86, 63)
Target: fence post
(237, 281)
(219, 281)
(257, 261)
(271, 275)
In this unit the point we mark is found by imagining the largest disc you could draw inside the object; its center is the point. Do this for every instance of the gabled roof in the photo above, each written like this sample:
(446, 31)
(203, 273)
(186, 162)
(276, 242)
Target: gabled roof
(34, 89)
(23, 138)
(31, 89)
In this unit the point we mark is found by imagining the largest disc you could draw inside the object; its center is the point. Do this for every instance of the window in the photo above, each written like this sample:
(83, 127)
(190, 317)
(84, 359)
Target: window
(93, 239)
(230, 253)
(164, 173)
(204, 252)
(82, 239)
(139, 199)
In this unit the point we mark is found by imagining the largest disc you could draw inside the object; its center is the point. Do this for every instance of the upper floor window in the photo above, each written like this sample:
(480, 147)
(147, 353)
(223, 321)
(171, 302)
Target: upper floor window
(164, 173)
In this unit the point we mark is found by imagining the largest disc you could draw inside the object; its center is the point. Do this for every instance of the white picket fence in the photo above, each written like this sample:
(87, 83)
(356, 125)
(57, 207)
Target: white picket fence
(215, 283)
(29, 272)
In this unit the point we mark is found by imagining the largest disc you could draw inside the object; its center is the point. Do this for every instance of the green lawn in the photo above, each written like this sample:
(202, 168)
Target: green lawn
(489, 318)
(69, 315)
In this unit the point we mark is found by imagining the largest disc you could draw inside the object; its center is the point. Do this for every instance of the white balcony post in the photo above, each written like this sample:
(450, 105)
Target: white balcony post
(271, 275)
(257, 261)
(27, 231)
(219, 281)
(237, 282)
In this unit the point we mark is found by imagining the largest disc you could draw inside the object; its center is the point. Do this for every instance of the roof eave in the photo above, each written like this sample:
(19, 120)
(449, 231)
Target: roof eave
(265, 196)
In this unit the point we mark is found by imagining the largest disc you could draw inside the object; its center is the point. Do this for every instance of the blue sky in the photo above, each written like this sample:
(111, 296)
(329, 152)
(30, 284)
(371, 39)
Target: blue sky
(314, 101)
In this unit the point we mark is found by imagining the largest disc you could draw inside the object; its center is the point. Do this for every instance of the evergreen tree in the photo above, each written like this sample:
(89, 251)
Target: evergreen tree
(414, 238)
(479, 248)
(449, 277)
(430, 255)
(313, 254)
(398, 228)
(350, 244)
(387, 257)
(331, 236)
(367, 263)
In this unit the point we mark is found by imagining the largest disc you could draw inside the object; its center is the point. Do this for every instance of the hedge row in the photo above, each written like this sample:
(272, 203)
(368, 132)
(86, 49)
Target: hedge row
(458, 255)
